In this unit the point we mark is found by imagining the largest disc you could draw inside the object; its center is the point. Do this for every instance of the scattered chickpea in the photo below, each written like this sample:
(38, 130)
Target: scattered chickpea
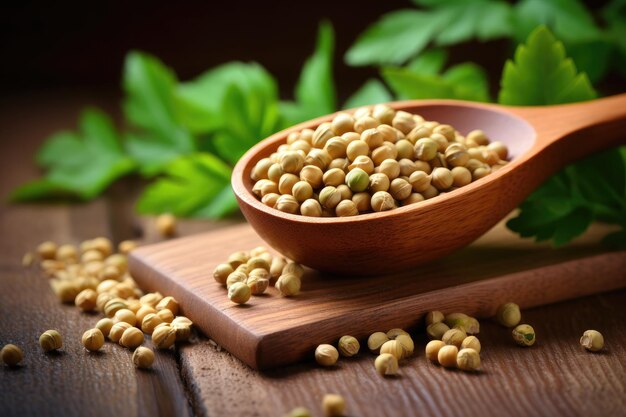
(93, 339)
(257, 285)
(150, 322)
(394, 348)
(394, 333)
(386, 364)
(125, 315)
(447, 356)
(126, 246)
(166, 225)
(105, 325)
(592, 340)
(408, 346)
(436, 331)
(468, 360)
(288, 284)
(454, 337)
(239, 293)
(86, 300)
(348, 346)
(131, 338)
(143, 357)
(471, 342)
(117, 330)
(333, 405)
(293, 268)
(169, 303)
(182, 325)
(432, 349)
(164, 336)
(151, 299)
(166, 315)
(46, 250)
(299, 412)
(326, 355)
(434, 317)
(524, 335)
(11, 355)
(508, 315)
(376, 340)
(50, 340)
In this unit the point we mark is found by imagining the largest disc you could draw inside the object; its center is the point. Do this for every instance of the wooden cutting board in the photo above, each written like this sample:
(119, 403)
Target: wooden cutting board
(271, 330)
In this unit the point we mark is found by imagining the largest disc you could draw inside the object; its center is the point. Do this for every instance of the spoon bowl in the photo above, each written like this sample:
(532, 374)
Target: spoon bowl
(541, 140)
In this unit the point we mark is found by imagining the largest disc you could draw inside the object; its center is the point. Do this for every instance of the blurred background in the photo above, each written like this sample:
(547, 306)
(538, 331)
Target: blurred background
(72, 45)
(59, 58)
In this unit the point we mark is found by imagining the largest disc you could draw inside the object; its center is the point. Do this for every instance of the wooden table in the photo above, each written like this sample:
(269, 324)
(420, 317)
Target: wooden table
(554, 378)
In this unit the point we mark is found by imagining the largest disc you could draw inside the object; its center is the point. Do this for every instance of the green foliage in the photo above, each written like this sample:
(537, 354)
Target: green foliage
(235, 105)
(593, 189)
(189, 134)
(541, 74)
(568, 19)
(315, 91)
(79, 164)
(402, 34)
(422, 78)
(150, 106)
(196, 186)
(185, 136)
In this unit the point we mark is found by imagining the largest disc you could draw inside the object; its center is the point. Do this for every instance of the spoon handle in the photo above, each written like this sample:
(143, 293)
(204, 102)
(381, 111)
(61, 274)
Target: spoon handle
(571, 131)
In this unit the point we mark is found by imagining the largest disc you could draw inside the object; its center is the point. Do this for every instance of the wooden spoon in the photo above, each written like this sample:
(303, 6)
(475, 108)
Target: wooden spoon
(541, 140)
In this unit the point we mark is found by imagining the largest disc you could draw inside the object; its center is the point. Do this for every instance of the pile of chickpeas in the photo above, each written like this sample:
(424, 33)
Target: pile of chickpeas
(376, 159)
(96, 279)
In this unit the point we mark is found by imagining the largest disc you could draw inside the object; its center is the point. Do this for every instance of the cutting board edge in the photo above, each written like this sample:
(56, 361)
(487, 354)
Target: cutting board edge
(595, 262)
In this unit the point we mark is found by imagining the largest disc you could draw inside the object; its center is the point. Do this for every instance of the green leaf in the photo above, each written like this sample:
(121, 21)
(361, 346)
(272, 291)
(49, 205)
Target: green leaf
(394, 38)
(40, 189)
(402, 34)
(594, 188)
(315, 90)
(569, 19)
(552, 213)
(150, 106)
(601, 179)
(372, 92)
(430, 62)
(541, 74)
(244, 123)
(79, 164)
(469, 81)
(462, 82)
(588, 45)
(193, 186)
(481, 19)
(592, 58)
(199, 103)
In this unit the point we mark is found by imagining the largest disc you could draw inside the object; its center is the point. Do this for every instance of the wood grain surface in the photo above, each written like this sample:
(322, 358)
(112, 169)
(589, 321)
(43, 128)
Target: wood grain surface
(271, 330)
(72, 382)
(554, 378)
